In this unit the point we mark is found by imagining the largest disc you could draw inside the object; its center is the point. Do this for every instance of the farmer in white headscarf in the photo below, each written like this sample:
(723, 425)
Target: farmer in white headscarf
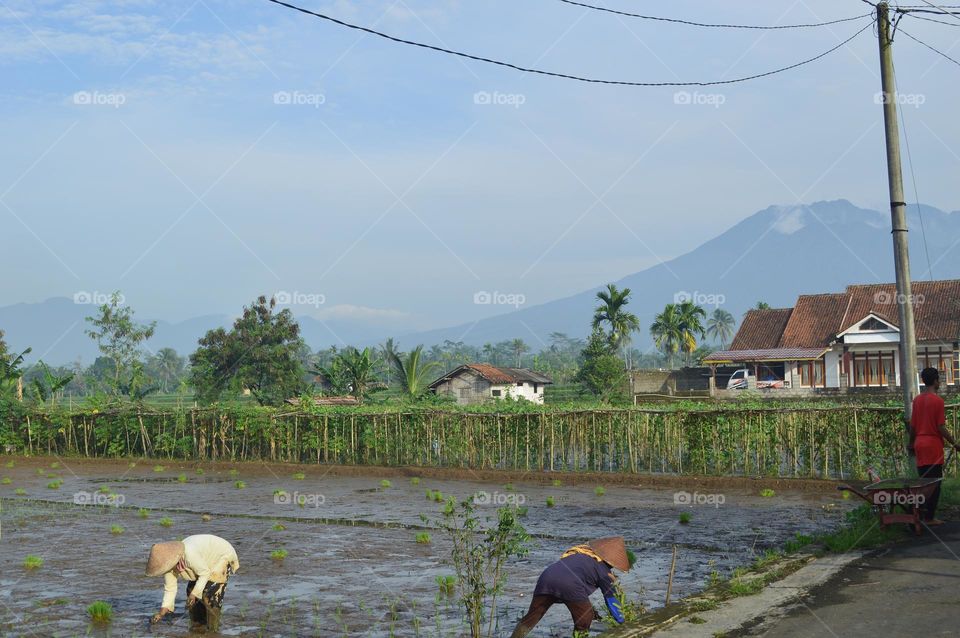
(205, 561)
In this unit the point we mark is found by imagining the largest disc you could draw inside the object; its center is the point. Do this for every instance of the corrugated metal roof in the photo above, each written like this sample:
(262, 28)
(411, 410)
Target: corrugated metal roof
(766, 354)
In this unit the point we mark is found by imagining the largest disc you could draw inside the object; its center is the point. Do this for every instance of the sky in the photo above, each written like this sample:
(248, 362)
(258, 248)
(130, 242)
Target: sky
(196, 154)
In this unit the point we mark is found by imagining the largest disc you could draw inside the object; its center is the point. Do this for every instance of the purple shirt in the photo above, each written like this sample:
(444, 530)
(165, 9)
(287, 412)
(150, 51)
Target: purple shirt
(574, 578)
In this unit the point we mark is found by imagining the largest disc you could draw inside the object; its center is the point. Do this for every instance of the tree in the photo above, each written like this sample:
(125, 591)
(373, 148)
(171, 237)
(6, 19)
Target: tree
(167, 367)
(519, 348)
(260, 353)
(412, 375)
(762, 305)
(3, 348)
(50, 384)
(720, 327)
(620, 322)
(667, 332)
(602, 371)
(11, 370)
(691, 327)
(118, 337)
(352, 370)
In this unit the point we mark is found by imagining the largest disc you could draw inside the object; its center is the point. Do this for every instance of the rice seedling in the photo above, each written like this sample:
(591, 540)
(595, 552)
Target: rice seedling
(55, 485)
(685, 518)
(116, 529)
(556, 482)
(32, 562)
(599, 490)
(423, 538)
(768, 493)
(302, 501)
(278, 554)
(6, 480)
(20, 491)
(143, 512)
(166, 522)
(415, 481)
(104, 490)
(550, 501)
(446, 584)
(182, 478)
(52, 475)
(55, 465)
(234, 472)
(199, 471)
(239, 485)
(429, 495)
(100, 612)
(10, 464)
(206, 518)
(438, 497)
(385, 484)
(522, 510)
(509, 487)
(299, 476)
(159, 468)
(631, 557)
(279, 527)
(40, 471)
(797, 543)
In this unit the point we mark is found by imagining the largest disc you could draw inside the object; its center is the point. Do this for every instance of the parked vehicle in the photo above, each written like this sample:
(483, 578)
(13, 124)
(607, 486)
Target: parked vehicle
(739, 380)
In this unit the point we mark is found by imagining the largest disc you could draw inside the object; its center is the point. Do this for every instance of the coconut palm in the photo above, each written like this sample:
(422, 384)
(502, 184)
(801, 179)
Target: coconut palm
(620, 322)
(691, 327)
(720, 327)
(412, 375)
(667, 332)
(519, 348)
(358, 368)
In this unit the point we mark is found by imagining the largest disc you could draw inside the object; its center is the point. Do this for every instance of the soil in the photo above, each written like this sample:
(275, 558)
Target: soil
(353, 566)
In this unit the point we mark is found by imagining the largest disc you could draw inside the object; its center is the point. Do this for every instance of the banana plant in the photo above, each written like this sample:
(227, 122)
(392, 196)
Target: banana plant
(50, 384)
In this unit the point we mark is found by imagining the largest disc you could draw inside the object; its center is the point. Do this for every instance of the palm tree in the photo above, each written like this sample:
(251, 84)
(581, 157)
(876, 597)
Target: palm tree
(412, 375)
(358, 367)
(168, 366)
(612, 311)
(720, 327)
(667, 332)
(519, 348)
(691, 327)
(490, 352)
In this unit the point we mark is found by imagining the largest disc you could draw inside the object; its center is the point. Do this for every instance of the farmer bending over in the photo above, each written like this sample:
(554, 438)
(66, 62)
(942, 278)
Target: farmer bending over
(205, 561)
(570, 581)
(928, 430)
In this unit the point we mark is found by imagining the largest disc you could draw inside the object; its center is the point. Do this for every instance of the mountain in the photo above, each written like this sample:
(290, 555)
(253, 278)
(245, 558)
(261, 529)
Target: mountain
(771, 256)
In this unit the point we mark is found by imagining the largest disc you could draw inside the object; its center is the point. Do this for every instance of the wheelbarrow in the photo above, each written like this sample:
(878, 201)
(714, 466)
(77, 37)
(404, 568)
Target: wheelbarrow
(897, 500)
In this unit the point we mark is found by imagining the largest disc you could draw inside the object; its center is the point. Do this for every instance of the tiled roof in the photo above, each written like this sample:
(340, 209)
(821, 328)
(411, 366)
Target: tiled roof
(936, 307)
(815, 321)
(767, 354)
(761, 329)
(497, 375)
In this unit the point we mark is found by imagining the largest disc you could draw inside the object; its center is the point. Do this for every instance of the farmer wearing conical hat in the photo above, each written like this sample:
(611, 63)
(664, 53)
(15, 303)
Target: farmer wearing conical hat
(580, 571)
(205, 561)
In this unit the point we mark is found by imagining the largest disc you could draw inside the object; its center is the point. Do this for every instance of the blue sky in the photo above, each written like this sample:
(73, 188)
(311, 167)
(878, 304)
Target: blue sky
(196, 154)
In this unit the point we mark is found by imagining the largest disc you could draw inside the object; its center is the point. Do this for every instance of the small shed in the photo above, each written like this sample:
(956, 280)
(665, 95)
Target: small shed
(480, 382)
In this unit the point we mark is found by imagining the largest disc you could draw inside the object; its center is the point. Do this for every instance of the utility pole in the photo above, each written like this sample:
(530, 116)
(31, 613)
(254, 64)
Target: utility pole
(898, 208)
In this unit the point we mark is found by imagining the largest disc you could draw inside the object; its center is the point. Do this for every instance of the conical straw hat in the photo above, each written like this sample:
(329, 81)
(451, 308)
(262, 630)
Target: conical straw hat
(613, 550)
(164, 557)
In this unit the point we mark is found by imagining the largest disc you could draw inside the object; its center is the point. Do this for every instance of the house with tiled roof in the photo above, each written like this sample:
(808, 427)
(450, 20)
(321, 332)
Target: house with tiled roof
(840, 341)
(481, 382)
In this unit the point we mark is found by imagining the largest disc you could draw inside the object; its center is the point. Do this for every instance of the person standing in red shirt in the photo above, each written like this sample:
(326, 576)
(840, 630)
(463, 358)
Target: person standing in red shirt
(928, 430)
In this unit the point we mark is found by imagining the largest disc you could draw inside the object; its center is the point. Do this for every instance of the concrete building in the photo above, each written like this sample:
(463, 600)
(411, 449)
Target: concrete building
(479, 382)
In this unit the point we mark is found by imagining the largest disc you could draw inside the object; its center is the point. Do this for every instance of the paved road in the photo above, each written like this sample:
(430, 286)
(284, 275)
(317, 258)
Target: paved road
(911, 589)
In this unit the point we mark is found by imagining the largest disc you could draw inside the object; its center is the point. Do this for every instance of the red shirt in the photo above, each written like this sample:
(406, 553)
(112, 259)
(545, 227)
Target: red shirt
(928, 415)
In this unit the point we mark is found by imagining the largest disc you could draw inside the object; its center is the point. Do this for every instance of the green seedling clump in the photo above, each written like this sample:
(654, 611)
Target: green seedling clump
(685, 518)
(10, 464)
(550, 501)
(32, 562)
(385, 484)
(767, 493)
(100, 612)
(556, 482)
(600, 490)
(446, 584)
(522, 510)
(6, 480)
(415, 481)
(143, 512)
(279, 527)
(52, 475)
(299, 476)
(182, 478)
(234, 472)
(239, 485)
(159, 468)
(423, 538)
(20, 491)
(199, 471)
(55, 485)
(509, 487)
(54, 465)
(104, 490)
(116, 529)
(631, 557)
(166, 522)
(278, 554)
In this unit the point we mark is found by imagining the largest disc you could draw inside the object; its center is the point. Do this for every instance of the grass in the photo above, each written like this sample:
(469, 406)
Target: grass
(631, 557)
(104, 490)
(143, 512)
(550, 501)
(767, 493)
(556, 482)
(234, 472)
(20, 491)
(279, 527)
(599, 490)
(423, 538)
(685, 518)
(239, 485)
(415, 481)
(32, 562)
(278, 554)
(100, 612)
(446, 584)
(116, 530)
(166, 522)
(199, 471)
(522, 511)
(385, 484)
(6, 480)
(299, 476)
(52, 475)
(55, 485)
(182, 478)
(797, 543)
(159, 468)
(55, 465)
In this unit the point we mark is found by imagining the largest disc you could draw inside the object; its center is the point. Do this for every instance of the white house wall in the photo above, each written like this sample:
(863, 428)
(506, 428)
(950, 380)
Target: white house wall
(832, 362)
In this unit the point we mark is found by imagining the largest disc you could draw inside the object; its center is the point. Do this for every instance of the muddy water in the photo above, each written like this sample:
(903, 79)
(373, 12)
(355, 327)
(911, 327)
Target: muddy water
(353, 567)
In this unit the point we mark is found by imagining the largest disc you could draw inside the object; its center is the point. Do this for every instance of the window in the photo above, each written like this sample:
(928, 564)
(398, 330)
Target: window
(813, 374)
(536, 388)
(873, 369)
(519, 384)
(873, 324)
(495, 393)
(942, 360)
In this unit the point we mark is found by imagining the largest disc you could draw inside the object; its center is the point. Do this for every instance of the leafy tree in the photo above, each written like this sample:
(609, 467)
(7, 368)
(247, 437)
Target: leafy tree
(720, 327)
(49, 384)
(3, 348)
(691, 327)
(260, 353)
(118, 337)
(352, 371)
(612, 312)
(667, 332)
(412, 375)
(762, 305)
(167, 367)
(11, 370)
(519, 348)
(602, 371)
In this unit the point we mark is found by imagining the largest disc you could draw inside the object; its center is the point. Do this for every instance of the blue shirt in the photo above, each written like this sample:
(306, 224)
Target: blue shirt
(574, 578)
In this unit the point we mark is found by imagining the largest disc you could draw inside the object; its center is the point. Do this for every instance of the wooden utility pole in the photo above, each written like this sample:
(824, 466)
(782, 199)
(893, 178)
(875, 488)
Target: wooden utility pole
(898, 215)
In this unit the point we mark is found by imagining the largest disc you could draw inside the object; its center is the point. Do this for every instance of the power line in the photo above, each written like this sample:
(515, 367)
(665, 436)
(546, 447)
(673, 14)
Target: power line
(916, 17)
(565, 76)
(937, 51)
(711, 25)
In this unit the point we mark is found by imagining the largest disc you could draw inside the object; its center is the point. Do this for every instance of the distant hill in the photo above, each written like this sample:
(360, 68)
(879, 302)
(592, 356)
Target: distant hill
(772, 256)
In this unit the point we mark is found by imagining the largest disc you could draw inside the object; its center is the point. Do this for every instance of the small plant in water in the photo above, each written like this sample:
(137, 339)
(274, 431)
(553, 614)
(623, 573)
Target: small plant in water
(159, 468)
(143, 512)
(446, 584)
(599, 490)
(522, 510)
(423, 538)
(100, 612)
(6, 480)
(550, 501)
(116, 529)
(182, 478)
(279, 527)
(20, 491)
(415, 481)
(166, 522)
(768, 493)
(32, 562)
(384, 483)
(239, 485)
(199, 471)
(55, 465)
(685, 518)
(10, 464)
(55, 485)
(104, 490)
(299, 476)
(509, 487)
(278, 554)
(234, 472)
(556, 482)
(52, 475)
